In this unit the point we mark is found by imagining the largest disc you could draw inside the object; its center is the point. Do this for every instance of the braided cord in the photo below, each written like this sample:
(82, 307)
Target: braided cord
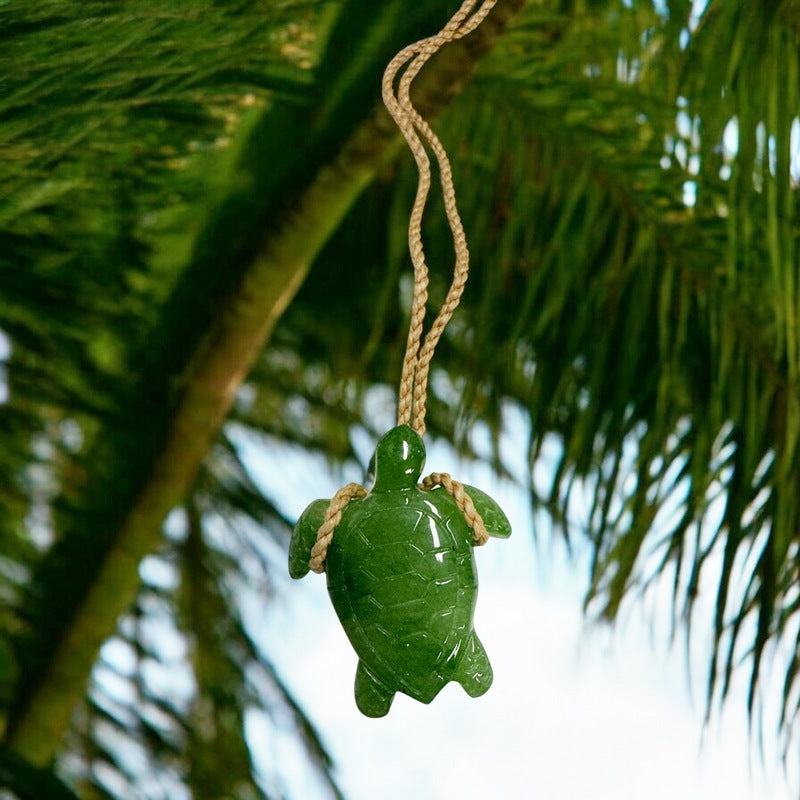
(333, 516)
(412, 399)
(464, 502)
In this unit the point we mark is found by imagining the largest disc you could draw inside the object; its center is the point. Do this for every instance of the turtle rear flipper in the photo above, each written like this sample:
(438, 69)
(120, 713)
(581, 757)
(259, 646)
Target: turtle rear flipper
(474, 671)
(304, 537)
(372, 697)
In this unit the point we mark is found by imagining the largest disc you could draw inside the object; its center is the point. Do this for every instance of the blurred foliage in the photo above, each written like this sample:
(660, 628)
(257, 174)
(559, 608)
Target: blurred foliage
(628, 176)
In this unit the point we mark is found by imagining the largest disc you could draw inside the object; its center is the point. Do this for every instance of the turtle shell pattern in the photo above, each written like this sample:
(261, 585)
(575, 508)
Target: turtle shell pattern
(402, 580)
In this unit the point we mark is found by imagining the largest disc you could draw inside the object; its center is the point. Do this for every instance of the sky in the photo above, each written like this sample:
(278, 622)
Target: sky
(577, 711)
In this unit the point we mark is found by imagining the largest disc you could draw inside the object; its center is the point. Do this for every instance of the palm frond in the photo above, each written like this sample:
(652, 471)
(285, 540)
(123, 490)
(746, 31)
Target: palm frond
(633, 224)
(139, 395)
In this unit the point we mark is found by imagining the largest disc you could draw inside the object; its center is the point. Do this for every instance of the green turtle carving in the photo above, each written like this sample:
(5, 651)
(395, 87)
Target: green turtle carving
(402, 579)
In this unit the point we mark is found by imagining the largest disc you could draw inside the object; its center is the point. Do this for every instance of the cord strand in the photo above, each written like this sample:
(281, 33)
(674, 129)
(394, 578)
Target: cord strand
(412, 395)
(464, 502)
(333, 516)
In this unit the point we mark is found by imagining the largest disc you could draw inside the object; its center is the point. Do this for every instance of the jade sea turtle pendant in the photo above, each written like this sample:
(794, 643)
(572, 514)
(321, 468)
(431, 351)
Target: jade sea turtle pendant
(402, 579)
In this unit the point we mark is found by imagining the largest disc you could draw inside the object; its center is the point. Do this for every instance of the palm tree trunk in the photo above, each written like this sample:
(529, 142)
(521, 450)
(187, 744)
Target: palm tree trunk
(220, 361)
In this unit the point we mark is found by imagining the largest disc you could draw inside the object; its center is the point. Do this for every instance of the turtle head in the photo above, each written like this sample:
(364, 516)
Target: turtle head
(398, 460)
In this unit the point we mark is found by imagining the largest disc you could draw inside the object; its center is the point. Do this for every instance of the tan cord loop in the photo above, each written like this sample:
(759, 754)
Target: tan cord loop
(416, 364)
(463, 501)
(353, 491)
(333, 516)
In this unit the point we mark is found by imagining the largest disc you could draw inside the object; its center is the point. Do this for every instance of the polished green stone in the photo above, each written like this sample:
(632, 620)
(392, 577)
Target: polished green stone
(402, 578)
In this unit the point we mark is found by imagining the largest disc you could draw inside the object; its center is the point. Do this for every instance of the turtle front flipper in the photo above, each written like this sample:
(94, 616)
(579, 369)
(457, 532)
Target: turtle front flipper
(304, 537)
(474, 671)
(494, 519)
(373, 698)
